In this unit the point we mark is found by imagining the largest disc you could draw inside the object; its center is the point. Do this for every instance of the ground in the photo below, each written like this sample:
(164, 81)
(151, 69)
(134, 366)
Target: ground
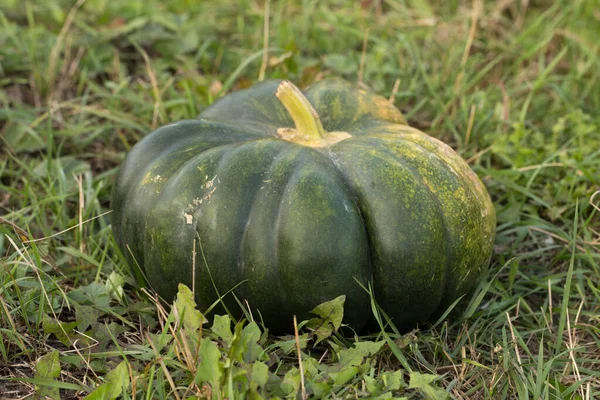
(512, 86)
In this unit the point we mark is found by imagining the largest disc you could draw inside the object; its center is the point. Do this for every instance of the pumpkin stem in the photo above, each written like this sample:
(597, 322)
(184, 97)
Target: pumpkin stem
(307, 121)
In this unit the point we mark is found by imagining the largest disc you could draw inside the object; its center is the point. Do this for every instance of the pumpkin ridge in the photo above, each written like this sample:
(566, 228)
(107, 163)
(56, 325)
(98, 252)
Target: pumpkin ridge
(230, 154)
(331, 156)
(277, 226)
(459, 171)
(441, 215)
(241, 251)
(440, 150)
(242, 129)
(173, 180)
(371, 224)
(361, 120)
(173, 145)
(451, 256)
(166, 152)
(132, 188)
(402, 163)
(315, 91)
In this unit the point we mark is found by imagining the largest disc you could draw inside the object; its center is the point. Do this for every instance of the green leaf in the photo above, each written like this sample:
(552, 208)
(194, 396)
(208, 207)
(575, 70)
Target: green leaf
(185, 305)
(393, 380)
(331, 314)
(349, 357)
(291, 382)
(311, 367)
(160, 341)
(114, 285)
(238, 345)
(105, 333)
(68, 166)
(48, 367)
(331, 311)
(116, 382)
(62, 330)
(388, 395)
(102, 392)
(355, 355)
(222, 328)
(210, 368)
(344, 375)
(385, 396)
(319, 389)
(260, 373)
(86, 316)
(93, 294)
(371, 385)
(251, 335)
(423, 382)
(288, 343)
(21, 138)
(367, 348)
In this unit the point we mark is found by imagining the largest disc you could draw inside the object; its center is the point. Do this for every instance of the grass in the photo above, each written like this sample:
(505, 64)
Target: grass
(513, 86)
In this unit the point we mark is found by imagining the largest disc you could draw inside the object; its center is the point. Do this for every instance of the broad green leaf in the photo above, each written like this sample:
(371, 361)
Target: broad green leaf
(331, 311)
(93, 294)
(385, 396)
(21, 138)
(102, 392)
(288, 343)
(390, 396)
(344, 375)
(311, 367)
(331, 314)
(367, 348)
(349, 357)
(393, 380)
(222, 328)
(240, 375)
(423, 382)
(114, 285)
(210, 369)
(68, 166)
(141, 352)
(62, 330)
(106, 332)
(86, 316)
(185, 305)
(237, 346)
(291, 382)
(160, 341)
(116, 382)
(251, 335)
(356, 354)
(48, 367)
(253, 394)
(260, 373)
(371, 385)
(319, 389)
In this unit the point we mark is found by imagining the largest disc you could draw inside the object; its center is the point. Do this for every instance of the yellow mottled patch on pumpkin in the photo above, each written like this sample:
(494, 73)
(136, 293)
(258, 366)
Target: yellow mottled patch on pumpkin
(337, 108)
(386, 110)
(150, 177)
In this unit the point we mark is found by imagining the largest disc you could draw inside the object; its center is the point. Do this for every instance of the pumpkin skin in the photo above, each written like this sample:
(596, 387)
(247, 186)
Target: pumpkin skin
(290, 226)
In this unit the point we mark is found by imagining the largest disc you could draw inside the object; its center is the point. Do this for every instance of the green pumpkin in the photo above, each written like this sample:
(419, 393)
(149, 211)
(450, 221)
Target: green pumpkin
(290, 200)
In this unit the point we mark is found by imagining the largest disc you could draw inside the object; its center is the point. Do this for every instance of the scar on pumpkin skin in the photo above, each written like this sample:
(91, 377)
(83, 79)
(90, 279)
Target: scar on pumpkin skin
(152, 179)
(197, 202)
(210, 183)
